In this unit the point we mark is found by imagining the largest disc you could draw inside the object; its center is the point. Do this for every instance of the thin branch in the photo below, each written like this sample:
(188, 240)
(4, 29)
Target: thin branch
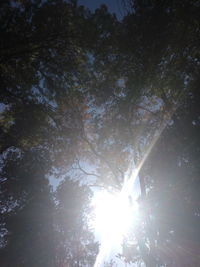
(145, 109)
(103, 159)
(85, 172)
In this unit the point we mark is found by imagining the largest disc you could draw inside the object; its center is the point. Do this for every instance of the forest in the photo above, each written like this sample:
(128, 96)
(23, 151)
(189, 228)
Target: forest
(99, 134)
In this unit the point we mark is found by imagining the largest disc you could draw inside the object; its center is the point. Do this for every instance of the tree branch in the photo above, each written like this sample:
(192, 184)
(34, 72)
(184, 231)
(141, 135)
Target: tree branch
(103, 159)
(85, 172)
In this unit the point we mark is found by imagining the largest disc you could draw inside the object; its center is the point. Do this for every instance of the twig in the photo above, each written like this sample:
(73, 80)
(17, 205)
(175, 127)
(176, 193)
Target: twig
(103, 159)
(85, 172)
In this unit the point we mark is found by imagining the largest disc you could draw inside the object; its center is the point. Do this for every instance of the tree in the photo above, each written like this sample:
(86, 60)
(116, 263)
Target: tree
(27, 210)
(75, 246)
(115, 98)
(144, 72)
(39, 126)
(173, 197)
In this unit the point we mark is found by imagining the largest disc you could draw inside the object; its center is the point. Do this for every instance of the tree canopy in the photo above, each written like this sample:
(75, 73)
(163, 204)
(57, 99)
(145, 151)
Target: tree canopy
(85, 99)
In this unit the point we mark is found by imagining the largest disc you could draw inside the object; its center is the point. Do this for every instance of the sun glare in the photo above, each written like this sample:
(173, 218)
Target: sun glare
(114, 214)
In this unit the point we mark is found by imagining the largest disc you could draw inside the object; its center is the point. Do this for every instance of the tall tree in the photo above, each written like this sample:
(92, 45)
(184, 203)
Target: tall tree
(105, 99)
(75, 246)
(27, 209)
(40, 125)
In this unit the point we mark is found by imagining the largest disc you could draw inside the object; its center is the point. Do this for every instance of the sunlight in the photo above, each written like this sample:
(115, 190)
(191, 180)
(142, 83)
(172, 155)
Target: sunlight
(114, 215)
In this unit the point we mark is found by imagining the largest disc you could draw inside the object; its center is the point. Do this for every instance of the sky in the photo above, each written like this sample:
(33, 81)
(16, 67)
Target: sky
(114, 6)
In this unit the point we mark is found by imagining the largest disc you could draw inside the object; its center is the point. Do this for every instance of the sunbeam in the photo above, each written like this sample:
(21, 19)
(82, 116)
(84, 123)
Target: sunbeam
(114, 214)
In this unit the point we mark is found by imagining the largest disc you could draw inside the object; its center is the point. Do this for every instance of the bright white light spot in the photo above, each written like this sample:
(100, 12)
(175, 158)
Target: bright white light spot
(114, 214)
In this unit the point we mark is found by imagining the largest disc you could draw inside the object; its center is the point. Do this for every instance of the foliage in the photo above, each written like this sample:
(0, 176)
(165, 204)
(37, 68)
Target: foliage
(82, 87)
(75, 245)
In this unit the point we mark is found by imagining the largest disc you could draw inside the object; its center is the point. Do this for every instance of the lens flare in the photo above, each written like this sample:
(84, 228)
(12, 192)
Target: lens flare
(114, 214)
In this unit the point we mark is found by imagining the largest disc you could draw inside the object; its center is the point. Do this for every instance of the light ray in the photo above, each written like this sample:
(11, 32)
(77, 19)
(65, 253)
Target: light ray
(119, 231)
(114, 216)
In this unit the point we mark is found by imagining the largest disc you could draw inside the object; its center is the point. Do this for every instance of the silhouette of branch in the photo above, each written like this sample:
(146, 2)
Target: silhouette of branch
(84, 171)
(103, 160)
